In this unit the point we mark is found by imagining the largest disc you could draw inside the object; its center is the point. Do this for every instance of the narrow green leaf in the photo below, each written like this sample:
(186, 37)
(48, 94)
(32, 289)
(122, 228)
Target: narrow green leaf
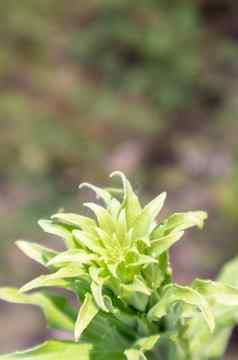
(121, 227)
(101, 193)
(59, 230)
(158, 246)
(98, 295)
(205, 344)
(107, 339)
(174, 293)
(147, 343)
(53, 350)
(105, 239)
(130, 320)
(114, 208)
(131, 202)
(156, 274)
(134, 354)
(138, 285)
(136, 293)
(54, 229)
(56, 279)
(217, 292)
(144, 221)
(72, 256)
(226, 275)
(56, 317)
(36, 252)
(76, 220)
(95, 274)
(143, 260)
(87, 312)
(88, 241)
(179, 222)
(154, 207)
(103, 216)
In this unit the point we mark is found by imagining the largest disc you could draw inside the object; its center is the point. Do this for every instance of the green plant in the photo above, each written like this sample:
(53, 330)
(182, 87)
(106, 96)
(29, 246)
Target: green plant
(118, 266)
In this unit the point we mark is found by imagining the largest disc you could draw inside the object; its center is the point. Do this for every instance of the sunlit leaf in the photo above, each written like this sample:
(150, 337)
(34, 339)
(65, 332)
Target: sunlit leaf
(144, 221)
(97, 292)
(53, 350)
(36, 252)
(87, 312)
(89, 241)
(158, 246)
(174, 293)
(58, 230)
(217, 292)
(179, 222)
(101, 193)
(79, 221)
(131, 202)
(56, 279)
(147, 343)
(56, 317)
(72, 256)
(134, 354)
(138, 285)
(226, 275)
(104, 218)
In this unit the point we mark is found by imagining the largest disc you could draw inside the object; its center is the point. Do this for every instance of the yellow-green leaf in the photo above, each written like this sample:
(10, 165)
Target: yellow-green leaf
(87, 312)
(40, 254)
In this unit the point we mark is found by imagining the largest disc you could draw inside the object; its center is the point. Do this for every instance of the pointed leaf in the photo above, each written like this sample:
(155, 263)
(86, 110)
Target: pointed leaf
(134, 354)
(56, 317)
(87, 312)
(174, 293)
(56, 279)
(130, 202)
(101, 193)
(143, 260)
(114, 208)
(130, 320)
(53, 350)
(138, 285)
(121, 227)
(72, 256)
(36, 252)
(158, 246)
(226, 275)
(89, 241)
(217, 292)
(105, 239)
(98, 295)
(147, 343)
(145, 220)
(58, 230)
(76, 220)
(179, 222)
(95, 274)
(136, 293)
(103, 216)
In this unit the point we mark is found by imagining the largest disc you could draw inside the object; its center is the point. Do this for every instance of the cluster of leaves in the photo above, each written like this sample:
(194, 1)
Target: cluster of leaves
(117, 265)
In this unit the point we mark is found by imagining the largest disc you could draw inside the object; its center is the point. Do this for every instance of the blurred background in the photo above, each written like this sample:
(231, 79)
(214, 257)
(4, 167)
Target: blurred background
(149, 87)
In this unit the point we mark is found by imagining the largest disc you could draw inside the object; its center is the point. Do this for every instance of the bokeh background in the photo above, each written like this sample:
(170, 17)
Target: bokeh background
(86, 87)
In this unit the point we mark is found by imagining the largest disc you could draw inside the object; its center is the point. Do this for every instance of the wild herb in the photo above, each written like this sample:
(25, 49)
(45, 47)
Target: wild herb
(117, 264)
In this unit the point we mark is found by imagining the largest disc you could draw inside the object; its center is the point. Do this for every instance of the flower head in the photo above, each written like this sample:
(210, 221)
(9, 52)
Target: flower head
(117, 260)
(120, 250)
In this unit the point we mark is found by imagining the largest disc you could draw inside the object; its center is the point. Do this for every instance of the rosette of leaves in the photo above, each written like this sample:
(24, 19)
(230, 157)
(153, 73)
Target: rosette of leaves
(117, 264)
